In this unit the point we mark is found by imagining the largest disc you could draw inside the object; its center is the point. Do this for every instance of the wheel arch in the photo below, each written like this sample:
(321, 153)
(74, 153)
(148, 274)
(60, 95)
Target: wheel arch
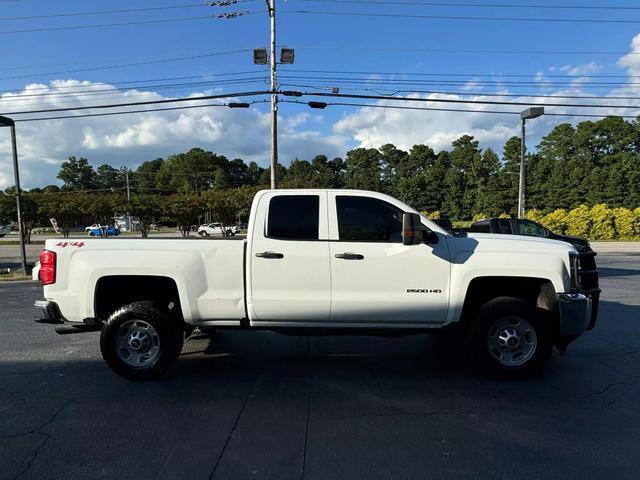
(536, 291)
(115, 291)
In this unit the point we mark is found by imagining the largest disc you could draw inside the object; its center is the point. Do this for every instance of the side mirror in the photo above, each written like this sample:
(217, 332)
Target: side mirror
(414, 232)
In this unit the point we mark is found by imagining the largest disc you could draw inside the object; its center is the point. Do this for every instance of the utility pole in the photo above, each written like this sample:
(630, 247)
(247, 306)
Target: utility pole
(126, 176)
(8, 122)
(271, 5)
(522, 182)
(528, 114)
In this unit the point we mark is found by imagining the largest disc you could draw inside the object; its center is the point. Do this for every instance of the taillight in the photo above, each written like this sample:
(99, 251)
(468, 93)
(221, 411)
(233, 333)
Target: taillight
(47, 273)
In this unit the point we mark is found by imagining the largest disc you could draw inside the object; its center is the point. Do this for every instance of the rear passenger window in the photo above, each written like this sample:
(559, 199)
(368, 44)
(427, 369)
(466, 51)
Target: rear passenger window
(294, 217)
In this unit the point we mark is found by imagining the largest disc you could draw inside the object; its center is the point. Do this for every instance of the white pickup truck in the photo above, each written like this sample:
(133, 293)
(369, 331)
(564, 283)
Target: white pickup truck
(320, 261)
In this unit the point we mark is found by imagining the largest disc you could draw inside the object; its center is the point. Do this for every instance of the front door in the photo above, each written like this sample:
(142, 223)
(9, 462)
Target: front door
(374, 277)
(288, 265)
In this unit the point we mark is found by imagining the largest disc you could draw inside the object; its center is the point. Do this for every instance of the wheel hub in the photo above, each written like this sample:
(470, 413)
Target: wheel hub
(512, 341)
(138, 343)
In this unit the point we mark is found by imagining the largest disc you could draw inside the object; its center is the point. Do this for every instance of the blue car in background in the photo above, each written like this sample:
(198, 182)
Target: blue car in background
(104, 231)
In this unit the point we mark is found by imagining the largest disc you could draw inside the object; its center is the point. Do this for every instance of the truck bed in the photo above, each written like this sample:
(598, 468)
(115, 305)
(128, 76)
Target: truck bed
(208, 273)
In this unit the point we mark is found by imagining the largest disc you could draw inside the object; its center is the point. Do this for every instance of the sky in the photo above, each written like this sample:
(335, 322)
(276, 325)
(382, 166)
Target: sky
(369, 47)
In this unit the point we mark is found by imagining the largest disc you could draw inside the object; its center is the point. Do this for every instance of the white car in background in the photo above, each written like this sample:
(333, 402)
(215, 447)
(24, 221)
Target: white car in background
(5, 230)
(214, 229)
(95, 226)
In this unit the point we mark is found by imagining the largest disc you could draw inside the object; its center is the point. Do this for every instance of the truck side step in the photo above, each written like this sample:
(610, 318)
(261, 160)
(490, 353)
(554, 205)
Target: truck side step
(69, 329)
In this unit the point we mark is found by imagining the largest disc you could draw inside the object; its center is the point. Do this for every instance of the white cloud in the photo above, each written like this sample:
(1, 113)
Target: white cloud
(132, 139)
(584, 69)
(631, 61)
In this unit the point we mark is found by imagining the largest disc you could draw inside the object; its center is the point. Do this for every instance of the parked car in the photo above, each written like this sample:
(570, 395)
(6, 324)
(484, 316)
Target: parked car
(5, 230)
(104, 231)
(214, 229)
(93, 227)
(521, 226)
(319, 262)
(529, 228)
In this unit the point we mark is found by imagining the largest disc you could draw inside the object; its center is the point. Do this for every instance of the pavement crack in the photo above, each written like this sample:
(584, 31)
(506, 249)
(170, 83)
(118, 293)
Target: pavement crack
(41, 426)
(33, 458)
(616, 384)
(306, 431)
(233, 429)
(392, 414)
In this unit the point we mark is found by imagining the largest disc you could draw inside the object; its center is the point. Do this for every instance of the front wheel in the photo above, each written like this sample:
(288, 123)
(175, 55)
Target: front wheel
(511, 338)
(203, 233)
(139, 342)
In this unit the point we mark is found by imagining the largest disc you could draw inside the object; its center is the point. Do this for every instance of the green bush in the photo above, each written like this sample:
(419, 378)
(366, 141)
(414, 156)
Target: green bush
(432, 215)
(579, 221)
(534, 214)
(595, 223)
(625, 224)
(478, 216)
(504, 215)
(556, 221)
(602, 227)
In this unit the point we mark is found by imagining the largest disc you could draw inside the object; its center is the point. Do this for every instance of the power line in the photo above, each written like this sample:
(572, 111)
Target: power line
(133, 64)
(461, 17)
(105, 12)
(448, 51)
(461, 110)
(460, 101)
(120, 24)
(149, 110)
(536, 83)
(108, 91)
(444, 74)
(150, 102)
(478, 94)
(478, 5)
(118, 83)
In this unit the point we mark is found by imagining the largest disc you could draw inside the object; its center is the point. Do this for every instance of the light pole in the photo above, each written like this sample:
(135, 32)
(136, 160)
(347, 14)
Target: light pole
(7, 122)
(260, 57)
(529, 113)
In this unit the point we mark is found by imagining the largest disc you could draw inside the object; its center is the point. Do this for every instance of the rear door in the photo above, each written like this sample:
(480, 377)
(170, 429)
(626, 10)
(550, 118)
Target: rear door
(288, 259)
(374, 277)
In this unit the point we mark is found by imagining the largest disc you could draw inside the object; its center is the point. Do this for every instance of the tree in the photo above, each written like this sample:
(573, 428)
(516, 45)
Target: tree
(109, 178)
(29, 206)
(69, 209)
(77, 174)
(148, 208)
(184, 208)
(363, 169)
(145, 177)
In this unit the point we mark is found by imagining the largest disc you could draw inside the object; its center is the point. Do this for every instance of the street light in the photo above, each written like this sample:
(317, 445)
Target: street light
(7, 122)
(528, 114)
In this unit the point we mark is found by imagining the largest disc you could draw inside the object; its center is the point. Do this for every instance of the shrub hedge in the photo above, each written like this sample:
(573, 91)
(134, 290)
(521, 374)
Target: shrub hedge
(595, 223)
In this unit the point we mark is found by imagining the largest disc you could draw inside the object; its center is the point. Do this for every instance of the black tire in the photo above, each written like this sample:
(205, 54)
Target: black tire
(507, 312)
(168, 336)
(204, 234)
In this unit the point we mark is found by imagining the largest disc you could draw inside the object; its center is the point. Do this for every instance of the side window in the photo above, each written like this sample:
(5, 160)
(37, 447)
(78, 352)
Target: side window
(531, 229)
(294, 217)
(362, 219)
(504, 226)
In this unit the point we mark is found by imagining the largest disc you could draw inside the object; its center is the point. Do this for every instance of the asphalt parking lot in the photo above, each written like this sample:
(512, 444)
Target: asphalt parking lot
(264, 406)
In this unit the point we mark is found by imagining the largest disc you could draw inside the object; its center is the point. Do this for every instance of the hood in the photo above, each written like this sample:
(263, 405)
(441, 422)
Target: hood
(506, 242)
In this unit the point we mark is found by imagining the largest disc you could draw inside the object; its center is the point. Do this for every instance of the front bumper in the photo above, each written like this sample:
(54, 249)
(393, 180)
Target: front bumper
(47, 312)
(575, 313)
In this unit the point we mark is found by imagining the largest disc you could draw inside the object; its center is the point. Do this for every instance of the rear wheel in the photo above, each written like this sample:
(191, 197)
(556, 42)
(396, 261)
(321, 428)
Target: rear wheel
(139, 342)
(511, 338)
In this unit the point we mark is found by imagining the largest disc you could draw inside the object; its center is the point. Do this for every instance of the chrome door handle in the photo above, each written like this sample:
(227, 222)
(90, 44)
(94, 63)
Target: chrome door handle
(350, 256)
(270, 255)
